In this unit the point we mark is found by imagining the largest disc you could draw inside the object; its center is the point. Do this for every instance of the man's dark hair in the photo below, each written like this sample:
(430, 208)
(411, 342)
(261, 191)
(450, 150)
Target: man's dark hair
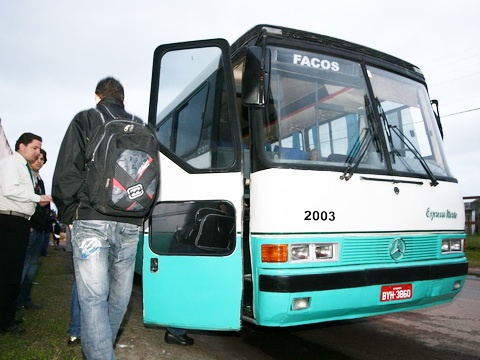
(25, 139)
(110, 87)
(44, 153)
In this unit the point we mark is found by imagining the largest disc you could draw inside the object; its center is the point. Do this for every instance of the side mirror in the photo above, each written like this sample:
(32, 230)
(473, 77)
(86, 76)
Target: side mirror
(255, 76)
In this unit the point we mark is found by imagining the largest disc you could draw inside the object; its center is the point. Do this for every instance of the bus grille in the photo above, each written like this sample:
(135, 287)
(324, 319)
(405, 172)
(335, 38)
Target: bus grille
(363, 250)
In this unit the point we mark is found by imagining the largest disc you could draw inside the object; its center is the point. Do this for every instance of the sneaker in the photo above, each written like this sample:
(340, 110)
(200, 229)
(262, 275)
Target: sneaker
(73, 340)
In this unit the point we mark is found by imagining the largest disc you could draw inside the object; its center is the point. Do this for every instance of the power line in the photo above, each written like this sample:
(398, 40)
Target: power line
(460, 112)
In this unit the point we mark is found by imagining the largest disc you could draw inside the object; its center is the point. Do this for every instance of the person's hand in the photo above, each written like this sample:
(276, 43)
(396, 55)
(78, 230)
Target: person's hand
(45, 200)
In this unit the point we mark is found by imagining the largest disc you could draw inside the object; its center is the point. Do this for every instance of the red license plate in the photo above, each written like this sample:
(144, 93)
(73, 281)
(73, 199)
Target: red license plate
(396, 292)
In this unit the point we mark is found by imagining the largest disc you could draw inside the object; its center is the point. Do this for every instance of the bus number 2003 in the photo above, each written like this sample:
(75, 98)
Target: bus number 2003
(319, 215)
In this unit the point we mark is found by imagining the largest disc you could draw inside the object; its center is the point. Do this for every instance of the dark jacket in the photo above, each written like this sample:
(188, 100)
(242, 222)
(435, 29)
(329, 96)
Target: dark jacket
(40, 220)
(68, 190)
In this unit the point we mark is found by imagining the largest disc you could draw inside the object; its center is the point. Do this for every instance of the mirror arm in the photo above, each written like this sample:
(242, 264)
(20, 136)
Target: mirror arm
(436, 112)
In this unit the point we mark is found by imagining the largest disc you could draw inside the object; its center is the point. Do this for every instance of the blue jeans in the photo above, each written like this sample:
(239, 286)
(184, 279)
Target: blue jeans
(32, 259)
(104, 259)
(46, 242)
(74, 328)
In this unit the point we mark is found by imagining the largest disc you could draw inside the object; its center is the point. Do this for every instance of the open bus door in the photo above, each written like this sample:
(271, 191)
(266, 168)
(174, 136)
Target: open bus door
(192, 256)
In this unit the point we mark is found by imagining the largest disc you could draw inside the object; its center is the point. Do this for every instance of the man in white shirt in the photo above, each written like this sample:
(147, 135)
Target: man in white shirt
(17, 204)
(41, 228)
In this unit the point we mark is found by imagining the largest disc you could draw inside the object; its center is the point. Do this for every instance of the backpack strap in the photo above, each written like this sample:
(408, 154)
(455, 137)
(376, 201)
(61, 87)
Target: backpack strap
(91, 154)
(101, 115)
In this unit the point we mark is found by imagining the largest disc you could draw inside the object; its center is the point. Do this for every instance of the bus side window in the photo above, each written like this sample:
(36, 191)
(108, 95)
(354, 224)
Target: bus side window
(193, 111)
(198, 227)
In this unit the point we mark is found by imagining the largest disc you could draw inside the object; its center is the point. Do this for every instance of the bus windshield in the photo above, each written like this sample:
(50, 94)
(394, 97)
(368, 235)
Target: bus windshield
(322, 115)
(408, 123)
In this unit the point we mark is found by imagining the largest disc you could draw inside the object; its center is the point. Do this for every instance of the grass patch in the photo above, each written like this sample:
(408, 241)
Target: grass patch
(473, 250)
(46, 336)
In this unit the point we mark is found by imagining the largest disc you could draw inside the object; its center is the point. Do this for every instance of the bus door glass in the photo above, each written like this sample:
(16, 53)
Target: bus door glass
(192, 262)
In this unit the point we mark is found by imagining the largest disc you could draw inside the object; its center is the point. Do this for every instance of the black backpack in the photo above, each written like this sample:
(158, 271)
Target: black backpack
(123, 172)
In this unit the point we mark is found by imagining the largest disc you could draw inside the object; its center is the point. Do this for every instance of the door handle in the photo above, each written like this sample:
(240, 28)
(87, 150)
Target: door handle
(153, 265)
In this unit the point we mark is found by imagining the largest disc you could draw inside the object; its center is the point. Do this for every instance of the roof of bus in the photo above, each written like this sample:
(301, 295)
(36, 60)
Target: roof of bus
(252, 37)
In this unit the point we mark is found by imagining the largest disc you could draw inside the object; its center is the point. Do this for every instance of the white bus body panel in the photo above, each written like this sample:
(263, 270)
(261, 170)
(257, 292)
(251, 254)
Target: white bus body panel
(282, 198)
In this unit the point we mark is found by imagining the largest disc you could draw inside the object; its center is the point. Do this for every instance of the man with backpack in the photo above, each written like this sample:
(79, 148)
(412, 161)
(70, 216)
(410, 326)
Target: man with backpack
(105, 194)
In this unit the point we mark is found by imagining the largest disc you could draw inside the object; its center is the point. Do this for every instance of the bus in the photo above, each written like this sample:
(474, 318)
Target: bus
(303, 180)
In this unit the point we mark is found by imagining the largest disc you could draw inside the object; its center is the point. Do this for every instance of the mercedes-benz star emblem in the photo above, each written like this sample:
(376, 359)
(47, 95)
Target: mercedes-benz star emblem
(397, 249)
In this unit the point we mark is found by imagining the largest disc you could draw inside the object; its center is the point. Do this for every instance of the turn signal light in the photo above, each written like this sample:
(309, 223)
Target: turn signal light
(275, 253)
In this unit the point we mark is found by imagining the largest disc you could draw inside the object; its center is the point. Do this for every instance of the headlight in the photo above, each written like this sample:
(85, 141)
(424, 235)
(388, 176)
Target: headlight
(452, 245)
(445, 245)
(456, 245)
(314, 252)
(324, 252)
(299, 252)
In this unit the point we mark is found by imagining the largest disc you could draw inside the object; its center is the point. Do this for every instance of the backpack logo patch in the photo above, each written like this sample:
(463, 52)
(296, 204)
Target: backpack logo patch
(135, 191)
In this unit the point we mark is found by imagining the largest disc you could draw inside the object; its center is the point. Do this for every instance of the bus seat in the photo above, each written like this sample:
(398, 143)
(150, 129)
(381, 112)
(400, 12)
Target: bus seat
(337, 158)
(292, 153)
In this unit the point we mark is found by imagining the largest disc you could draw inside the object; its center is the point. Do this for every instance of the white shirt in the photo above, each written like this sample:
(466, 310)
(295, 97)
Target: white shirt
(16, 186)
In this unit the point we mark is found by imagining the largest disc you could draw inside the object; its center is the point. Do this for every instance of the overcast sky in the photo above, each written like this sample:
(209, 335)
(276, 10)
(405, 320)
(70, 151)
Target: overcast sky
(54, 52)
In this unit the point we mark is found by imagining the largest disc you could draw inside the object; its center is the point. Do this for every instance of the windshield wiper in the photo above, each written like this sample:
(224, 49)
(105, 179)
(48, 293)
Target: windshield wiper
(353, 158)
(406, 142)
(383, 116)
(415, 152)
(360, 147)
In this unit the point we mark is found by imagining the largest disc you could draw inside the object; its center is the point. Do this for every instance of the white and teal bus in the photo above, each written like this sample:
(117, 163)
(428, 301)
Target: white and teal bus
(303, 180)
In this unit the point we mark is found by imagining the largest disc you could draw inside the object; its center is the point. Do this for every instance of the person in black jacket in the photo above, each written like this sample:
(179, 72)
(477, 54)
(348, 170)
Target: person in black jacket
(40, 227)
(104, 247)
